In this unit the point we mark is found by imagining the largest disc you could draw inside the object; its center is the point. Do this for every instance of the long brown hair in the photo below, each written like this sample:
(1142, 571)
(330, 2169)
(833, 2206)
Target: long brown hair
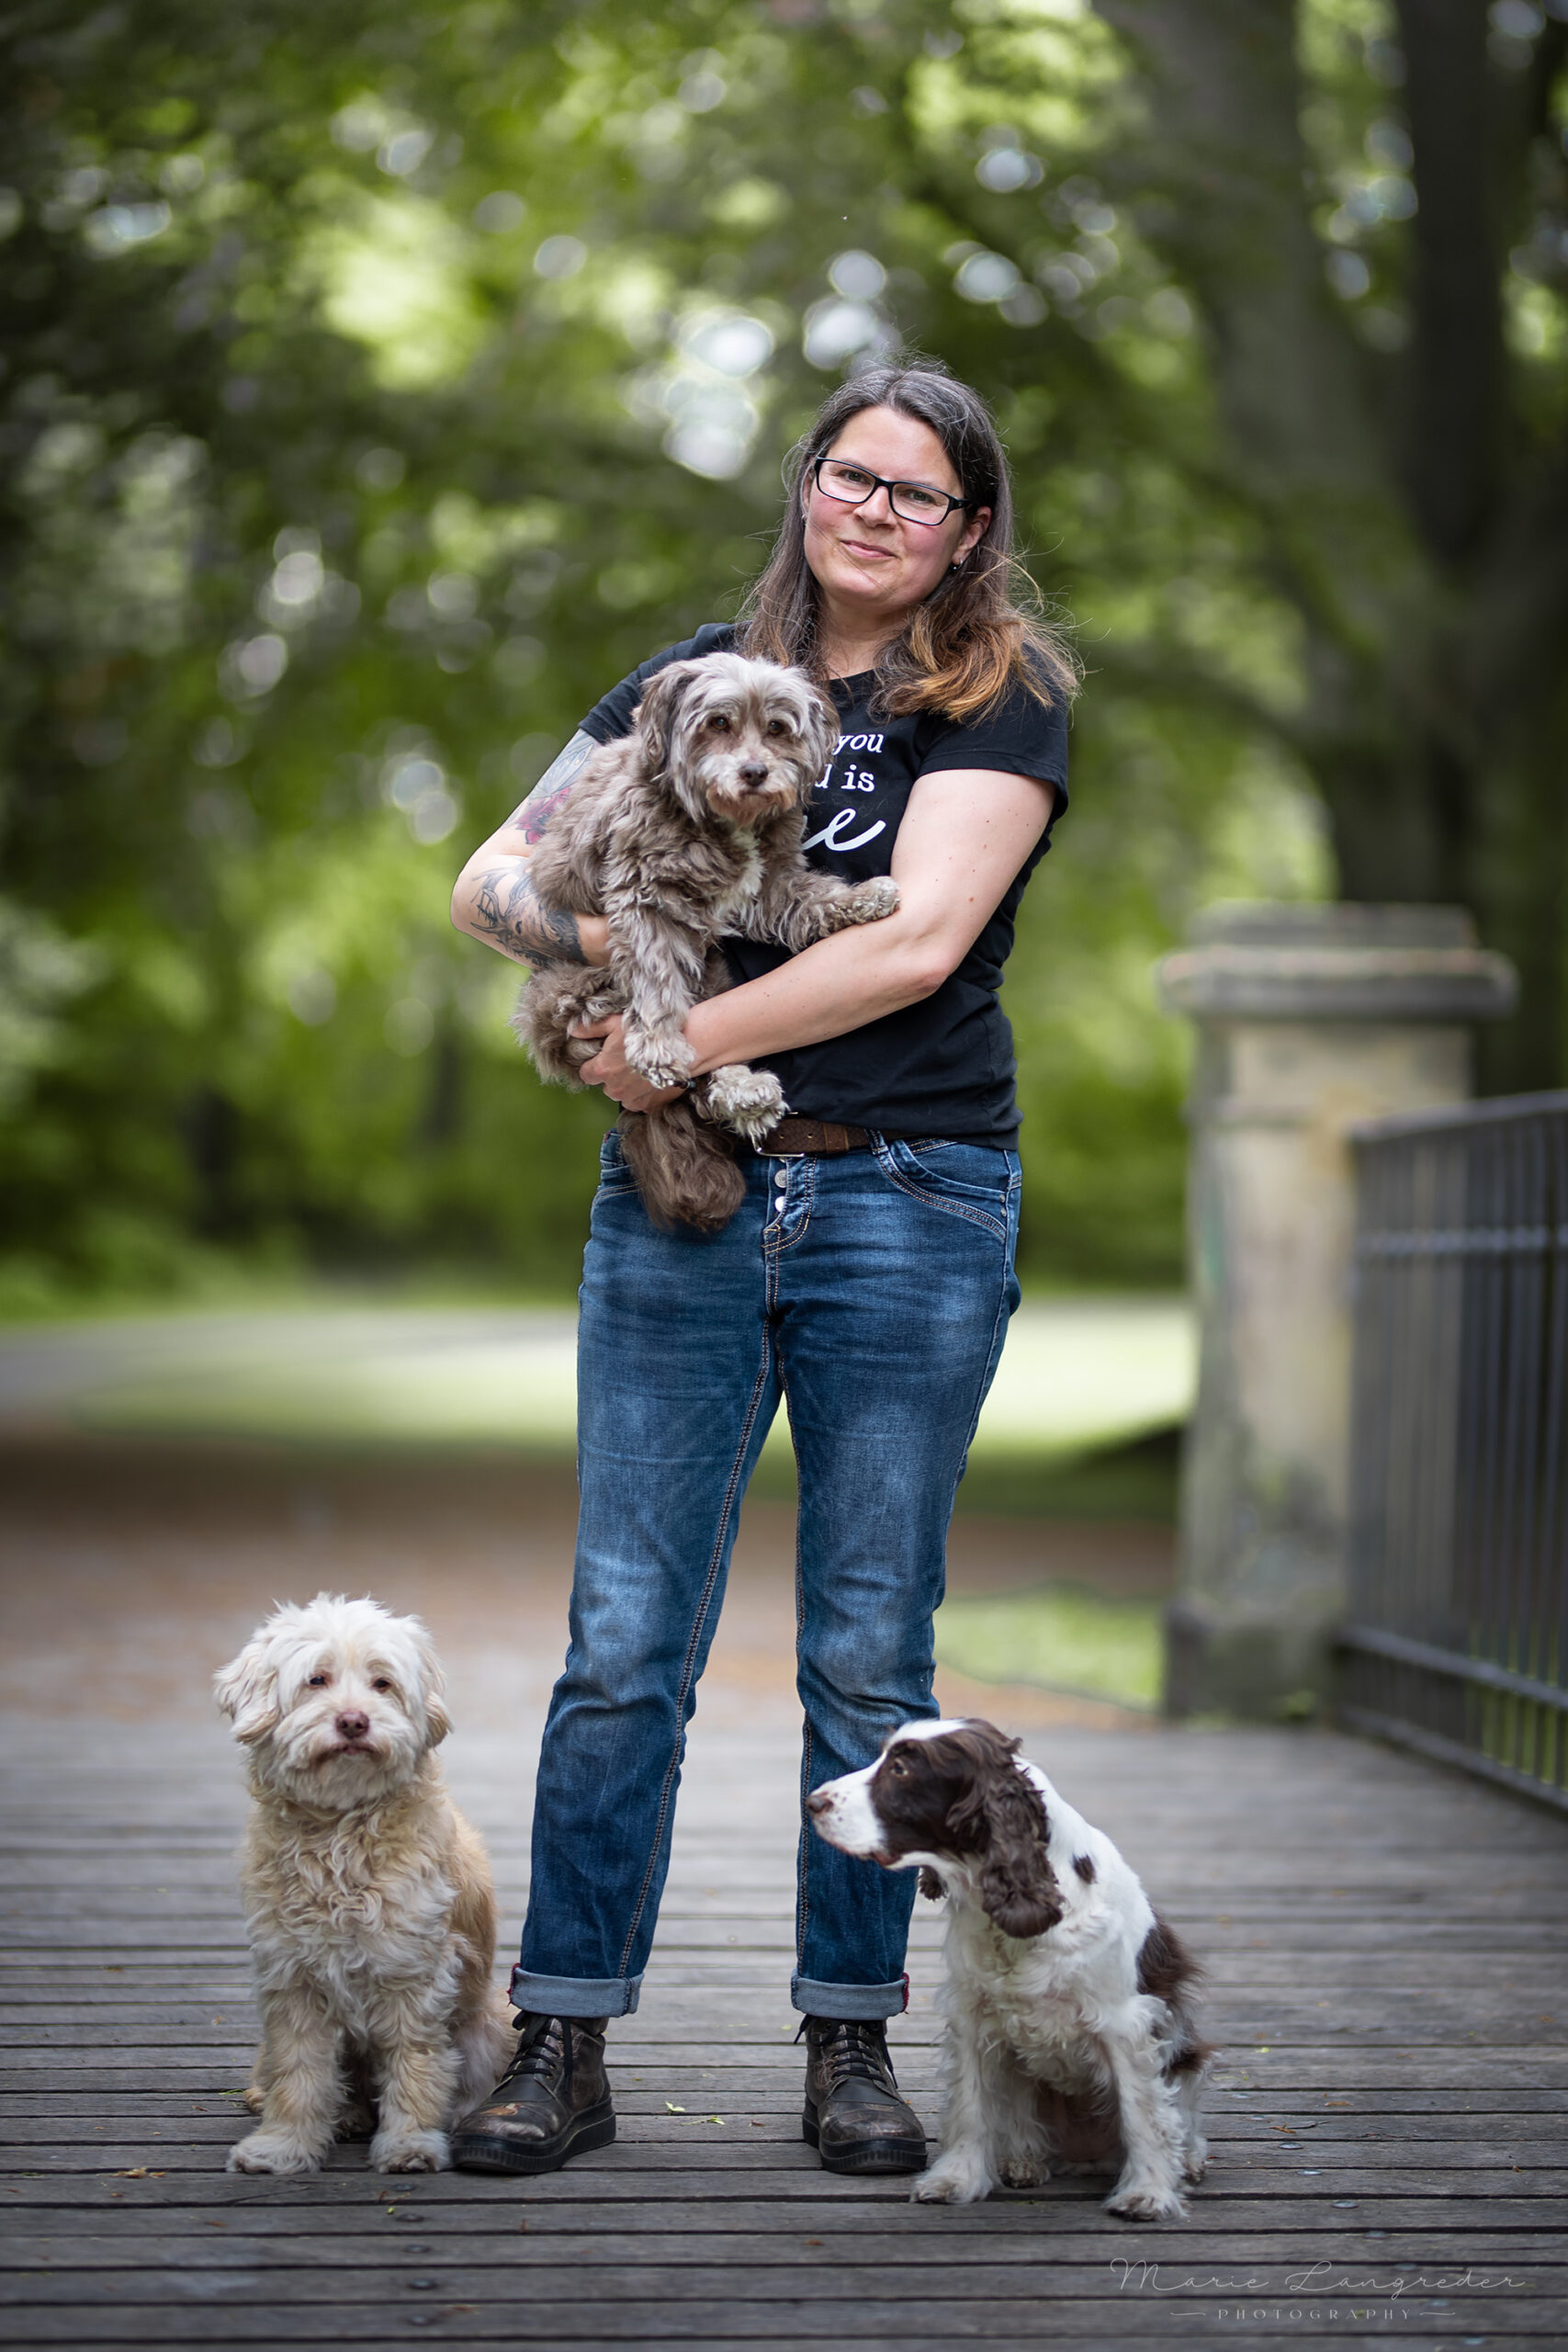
(976, 632)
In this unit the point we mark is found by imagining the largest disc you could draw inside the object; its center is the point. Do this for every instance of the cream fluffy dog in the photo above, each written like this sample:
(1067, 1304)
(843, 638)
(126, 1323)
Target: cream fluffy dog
(367, 1895)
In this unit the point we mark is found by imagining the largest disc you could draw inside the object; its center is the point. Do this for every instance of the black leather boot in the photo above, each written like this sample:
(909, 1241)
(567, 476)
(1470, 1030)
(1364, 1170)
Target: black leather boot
(853, 2116)
(552, 2102)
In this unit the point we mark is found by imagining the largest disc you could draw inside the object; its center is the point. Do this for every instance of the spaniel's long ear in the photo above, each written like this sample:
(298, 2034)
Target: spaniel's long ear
(655, 716)
(247, 1689)
(1018, 1888)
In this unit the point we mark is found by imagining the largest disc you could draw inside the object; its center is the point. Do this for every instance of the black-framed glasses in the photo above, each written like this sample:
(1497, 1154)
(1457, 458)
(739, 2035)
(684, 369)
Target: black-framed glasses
(912, 502)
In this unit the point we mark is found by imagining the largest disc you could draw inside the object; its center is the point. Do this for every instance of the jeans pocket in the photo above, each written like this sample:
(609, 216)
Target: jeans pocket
(973, 1181)
(614, 1176)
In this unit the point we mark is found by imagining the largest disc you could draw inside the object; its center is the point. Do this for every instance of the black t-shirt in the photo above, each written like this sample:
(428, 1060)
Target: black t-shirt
(944, 1067)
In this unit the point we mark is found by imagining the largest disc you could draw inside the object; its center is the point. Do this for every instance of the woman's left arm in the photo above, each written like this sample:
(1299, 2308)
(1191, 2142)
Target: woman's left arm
(965, 834)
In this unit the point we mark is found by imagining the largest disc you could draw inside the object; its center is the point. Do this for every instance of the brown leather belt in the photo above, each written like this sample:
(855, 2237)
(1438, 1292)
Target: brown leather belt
(793, 1138)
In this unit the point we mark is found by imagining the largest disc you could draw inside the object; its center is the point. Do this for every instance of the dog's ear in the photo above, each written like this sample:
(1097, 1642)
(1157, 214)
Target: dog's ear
(821, 733)
(1018, 1888)
(247, 1689)
(655, 715)
(432, 1684)
(1002, 1815)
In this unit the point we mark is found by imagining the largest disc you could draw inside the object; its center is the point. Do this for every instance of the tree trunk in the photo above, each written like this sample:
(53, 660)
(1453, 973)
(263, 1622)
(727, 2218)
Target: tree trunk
(1416, 513)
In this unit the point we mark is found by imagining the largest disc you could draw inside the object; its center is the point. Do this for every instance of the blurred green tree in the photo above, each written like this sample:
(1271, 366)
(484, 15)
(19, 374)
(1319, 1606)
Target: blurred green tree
(1370, 205)
(376, 393)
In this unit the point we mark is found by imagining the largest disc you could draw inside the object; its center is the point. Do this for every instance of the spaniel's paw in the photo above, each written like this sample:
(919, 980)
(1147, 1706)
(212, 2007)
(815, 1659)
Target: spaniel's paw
(749, 1101)
(957, 2179)
(411, 2152)
(1146, 2200)
(1197, 2161)
(1025, 2172)
(274, 2152)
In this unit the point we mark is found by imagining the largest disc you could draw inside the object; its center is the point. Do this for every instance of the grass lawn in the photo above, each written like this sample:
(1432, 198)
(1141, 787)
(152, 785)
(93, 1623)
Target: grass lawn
(1060, 1638)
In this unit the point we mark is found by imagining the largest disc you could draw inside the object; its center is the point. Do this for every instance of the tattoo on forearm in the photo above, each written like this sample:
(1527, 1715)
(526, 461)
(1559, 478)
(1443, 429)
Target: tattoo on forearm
(534, 813)
(509, 914)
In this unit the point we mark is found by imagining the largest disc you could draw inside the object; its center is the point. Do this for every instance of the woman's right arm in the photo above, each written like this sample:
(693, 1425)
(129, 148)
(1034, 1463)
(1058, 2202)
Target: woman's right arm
(494, 900)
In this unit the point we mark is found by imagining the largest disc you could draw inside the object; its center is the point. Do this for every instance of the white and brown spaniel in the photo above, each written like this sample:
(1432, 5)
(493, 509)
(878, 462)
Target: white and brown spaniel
(1070, 2037)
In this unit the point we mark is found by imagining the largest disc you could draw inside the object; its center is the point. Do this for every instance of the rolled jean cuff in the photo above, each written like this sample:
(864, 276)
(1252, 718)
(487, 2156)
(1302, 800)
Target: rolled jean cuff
(574, 1996)
(817, 2000)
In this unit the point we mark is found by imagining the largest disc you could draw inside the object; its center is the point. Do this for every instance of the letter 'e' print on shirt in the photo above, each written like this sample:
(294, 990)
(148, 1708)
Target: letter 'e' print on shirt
(833, 834)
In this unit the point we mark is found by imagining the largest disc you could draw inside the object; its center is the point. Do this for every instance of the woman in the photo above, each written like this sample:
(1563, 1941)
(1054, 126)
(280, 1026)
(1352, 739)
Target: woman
(867, 1277)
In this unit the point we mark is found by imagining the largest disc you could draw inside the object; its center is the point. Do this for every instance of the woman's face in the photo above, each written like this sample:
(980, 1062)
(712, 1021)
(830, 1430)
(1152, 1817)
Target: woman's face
(871, 566)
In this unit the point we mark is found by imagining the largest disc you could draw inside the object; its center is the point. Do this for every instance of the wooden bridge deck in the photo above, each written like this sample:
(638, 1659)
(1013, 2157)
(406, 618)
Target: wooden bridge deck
(1385, 1944)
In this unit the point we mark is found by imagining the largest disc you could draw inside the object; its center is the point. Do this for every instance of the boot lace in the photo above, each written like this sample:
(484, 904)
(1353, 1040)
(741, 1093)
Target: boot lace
(546, 2046)
(854, 2049)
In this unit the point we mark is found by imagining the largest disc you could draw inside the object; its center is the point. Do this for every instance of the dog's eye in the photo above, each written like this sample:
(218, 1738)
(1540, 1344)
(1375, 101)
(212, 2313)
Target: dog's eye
(719, 724)
(897, 1767)
(380, 1683)
(318, 1681)
(777, 727)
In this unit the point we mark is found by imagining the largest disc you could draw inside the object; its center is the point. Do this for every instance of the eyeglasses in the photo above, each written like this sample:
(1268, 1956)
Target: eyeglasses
(912, 502)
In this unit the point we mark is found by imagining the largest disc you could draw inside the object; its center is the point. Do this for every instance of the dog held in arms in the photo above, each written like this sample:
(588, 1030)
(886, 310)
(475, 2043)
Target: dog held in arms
(1070, 2036)
(367, 1896)
(686, 829)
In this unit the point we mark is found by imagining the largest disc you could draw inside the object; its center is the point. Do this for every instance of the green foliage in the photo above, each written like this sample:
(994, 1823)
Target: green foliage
(1061, 1637)
(380, 391)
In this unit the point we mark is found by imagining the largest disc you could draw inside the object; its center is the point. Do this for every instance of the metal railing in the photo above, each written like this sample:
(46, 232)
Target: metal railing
(1457, 1638)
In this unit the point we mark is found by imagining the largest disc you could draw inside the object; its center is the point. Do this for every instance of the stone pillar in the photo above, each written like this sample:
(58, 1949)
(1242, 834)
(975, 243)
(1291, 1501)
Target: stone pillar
(1309, 1018)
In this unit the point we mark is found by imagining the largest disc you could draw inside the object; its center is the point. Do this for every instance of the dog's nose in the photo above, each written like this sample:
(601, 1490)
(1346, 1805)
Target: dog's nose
(754, 774)
(819, 1802)
(353, 1727)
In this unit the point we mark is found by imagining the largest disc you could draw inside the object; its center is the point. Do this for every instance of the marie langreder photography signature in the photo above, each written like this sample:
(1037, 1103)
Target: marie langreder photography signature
(1308, 2279)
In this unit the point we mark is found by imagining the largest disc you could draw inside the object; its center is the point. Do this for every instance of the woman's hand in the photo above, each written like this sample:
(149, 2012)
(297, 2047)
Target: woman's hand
(611, 1070)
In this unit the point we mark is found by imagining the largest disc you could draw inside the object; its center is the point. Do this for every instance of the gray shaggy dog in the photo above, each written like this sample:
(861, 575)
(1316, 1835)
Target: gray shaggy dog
(689, 827)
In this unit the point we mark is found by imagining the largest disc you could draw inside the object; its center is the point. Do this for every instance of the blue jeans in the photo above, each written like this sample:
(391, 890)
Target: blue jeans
(872, 1291)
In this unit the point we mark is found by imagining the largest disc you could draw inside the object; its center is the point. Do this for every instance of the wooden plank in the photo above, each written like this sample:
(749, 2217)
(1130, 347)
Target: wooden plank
(1339, 2108)
(93, 2122)
(861, 2319)
(1540, 2258)
(654, 2144)
(1503, 2288)
(1272, 2202)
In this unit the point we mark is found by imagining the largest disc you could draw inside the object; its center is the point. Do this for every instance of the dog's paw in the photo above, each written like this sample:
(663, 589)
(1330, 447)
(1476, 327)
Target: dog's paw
(662, 1060)
(953, 2180)
(749, 1101)
(274, 2152)
(256, 2098)
(867, 902)
(1146, 2200)
(1196, 2163)
(411, 2152)
(1025, 2172)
